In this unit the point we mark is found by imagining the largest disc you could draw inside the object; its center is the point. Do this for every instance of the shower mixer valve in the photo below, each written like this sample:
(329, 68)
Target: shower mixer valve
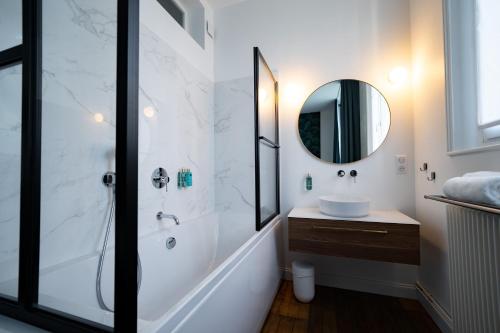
(160, 178)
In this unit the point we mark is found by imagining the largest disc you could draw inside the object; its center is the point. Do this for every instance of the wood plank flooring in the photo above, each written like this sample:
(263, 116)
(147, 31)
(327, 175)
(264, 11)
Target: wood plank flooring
(343, 311)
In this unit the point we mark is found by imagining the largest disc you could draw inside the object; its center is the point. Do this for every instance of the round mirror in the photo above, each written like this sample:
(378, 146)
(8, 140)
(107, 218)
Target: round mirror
(344, 121)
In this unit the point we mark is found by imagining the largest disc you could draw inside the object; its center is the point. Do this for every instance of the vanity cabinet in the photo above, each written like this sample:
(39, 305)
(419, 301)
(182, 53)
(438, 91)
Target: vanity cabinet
(382, 235)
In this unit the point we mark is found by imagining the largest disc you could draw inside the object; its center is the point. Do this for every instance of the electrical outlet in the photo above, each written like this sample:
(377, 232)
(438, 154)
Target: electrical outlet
(401, 164)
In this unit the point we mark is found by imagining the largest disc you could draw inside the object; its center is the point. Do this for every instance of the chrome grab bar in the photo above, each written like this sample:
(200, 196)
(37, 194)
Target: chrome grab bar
(383, 232)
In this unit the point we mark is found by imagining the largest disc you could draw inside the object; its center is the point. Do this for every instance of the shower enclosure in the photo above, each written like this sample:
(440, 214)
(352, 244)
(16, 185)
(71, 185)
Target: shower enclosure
(94, 97)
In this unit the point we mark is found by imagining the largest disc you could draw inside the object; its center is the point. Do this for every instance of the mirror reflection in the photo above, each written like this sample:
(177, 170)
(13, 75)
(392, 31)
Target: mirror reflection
(344, 121)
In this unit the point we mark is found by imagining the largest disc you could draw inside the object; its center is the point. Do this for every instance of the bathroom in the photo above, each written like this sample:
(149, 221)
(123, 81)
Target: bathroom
(166, 166)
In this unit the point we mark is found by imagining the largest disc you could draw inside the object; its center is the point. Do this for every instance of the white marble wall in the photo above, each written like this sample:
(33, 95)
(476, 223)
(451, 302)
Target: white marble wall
(234, 147)
(179, 135)
(79, 81)
(10, 171)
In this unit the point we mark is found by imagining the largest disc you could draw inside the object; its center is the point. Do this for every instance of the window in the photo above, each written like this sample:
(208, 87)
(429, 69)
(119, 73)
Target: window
(488, 66)
(190, 14)
(174, 10)
(472, 49)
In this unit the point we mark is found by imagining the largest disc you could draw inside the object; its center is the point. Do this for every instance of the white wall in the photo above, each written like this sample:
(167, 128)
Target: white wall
(311, 43)
(79, 81)
(179, 135)
(431, 145)
(235, 151)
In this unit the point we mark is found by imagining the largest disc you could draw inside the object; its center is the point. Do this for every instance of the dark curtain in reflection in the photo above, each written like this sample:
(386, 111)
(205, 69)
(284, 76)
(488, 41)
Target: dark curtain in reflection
(347, 141)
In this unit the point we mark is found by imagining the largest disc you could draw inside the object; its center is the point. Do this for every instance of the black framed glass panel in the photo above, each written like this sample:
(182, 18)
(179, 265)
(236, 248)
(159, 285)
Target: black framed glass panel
(266, 141)
(10, 181)
(77, 199)
(11, 31)
(104, 37)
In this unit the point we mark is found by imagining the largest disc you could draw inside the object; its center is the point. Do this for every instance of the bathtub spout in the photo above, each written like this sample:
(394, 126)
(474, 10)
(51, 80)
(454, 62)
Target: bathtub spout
(160, 216)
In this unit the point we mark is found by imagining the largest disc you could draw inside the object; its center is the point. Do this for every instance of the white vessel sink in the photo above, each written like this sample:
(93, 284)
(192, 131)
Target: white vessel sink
(344, 205)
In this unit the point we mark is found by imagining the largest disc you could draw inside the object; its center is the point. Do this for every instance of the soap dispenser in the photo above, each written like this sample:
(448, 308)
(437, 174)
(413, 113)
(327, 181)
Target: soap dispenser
(309, 182)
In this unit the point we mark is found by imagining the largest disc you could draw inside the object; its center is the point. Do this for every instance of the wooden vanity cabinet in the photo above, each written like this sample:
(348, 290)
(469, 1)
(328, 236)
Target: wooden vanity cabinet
(382, 236)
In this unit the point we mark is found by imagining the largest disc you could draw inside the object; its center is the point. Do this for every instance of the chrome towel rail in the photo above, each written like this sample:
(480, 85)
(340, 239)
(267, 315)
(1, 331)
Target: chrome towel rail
(466, 204)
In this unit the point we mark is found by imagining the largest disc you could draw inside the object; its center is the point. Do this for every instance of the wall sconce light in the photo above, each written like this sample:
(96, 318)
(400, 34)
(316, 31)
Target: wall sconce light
(98, 117)
(149, 111)
(293, 94)
(398, 75)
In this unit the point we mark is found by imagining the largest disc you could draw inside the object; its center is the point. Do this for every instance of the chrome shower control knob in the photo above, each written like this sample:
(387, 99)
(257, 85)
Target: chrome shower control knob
(341, 173)
(160, 178)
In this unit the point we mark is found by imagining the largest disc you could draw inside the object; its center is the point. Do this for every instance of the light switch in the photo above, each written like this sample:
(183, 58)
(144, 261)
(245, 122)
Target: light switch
(401, 164)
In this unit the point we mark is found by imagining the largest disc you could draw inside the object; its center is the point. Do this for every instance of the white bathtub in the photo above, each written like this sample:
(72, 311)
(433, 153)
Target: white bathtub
(211, 281)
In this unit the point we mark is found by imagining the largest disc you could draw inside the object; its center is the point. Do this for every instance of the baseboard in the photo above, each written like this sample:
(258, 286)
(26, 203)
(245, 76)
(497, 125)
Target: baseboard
(380, 287)
(440, 316)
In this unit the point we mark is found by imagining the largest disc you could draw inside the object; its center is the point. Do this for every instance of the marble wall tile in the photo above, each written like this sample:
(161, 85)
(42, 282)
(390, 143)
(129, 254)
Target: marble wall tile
(234, 147)
(180, 134)
(78, 81)
(184, 131)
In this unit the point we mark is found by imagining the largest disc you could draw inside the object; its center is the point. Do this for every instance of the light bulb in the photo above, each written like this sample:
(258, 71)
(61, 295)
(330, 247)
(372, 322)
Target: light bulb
(98, 117)
(149, 112)
(398, 75)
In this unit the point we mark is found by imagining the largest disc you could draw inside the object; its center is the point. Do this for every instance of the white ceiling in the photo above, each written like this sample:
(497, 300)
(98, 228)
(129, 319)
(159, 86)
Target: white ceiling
(222, 3)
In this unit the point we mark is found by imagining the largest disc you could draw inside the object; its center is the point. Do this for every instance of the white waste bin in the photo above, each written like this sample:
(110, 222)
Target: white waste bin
(303, 281)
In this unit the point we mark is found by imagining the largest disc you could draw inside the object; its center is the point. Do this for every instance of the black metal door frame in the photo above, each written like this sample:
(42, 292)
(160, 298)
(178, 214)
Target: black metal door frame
(26, 308)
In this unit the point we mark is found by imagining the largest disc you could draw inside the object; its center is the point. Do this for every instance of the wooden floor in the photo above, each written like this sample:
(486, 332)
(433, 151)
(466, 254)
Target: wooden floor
(343, 311)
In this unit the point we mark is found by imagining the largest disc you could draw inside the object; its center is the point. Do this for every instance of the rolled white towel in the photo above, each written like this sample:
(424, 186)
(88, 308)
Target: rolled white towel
(483, 174)
(480, 189)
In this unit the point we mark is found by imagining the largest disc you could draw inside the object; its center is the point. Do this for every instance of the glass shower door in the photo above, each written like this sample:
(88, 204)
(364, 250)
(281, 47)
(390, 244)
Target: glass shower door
(77, 200)
(266, 141)
(10, 146)
(10, 182)
(65, 68)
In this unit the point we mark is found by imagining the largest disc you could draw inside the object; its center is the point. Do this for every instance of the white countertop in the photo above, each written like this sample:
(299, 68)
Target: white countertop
(381, 216)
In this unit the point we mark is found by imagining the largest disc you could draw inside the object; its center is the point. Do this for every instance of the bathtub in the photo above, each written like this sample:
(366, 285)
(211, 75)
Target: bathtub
(220, 277)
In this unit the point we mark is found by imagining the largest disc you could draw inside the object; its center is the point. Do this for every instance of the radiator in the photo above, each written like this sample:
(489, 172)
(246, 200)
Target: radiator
(474, 239)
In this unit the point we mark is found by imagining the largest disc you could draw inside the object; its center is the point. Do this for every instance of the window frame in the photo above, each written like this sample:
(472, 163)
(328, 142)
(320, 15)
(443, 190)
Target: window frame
(463, 97)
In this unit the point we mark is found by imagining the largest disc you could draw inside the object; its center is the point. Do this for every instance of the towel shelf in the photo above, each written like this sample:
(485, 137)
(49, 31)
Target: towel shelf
(466, 204)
